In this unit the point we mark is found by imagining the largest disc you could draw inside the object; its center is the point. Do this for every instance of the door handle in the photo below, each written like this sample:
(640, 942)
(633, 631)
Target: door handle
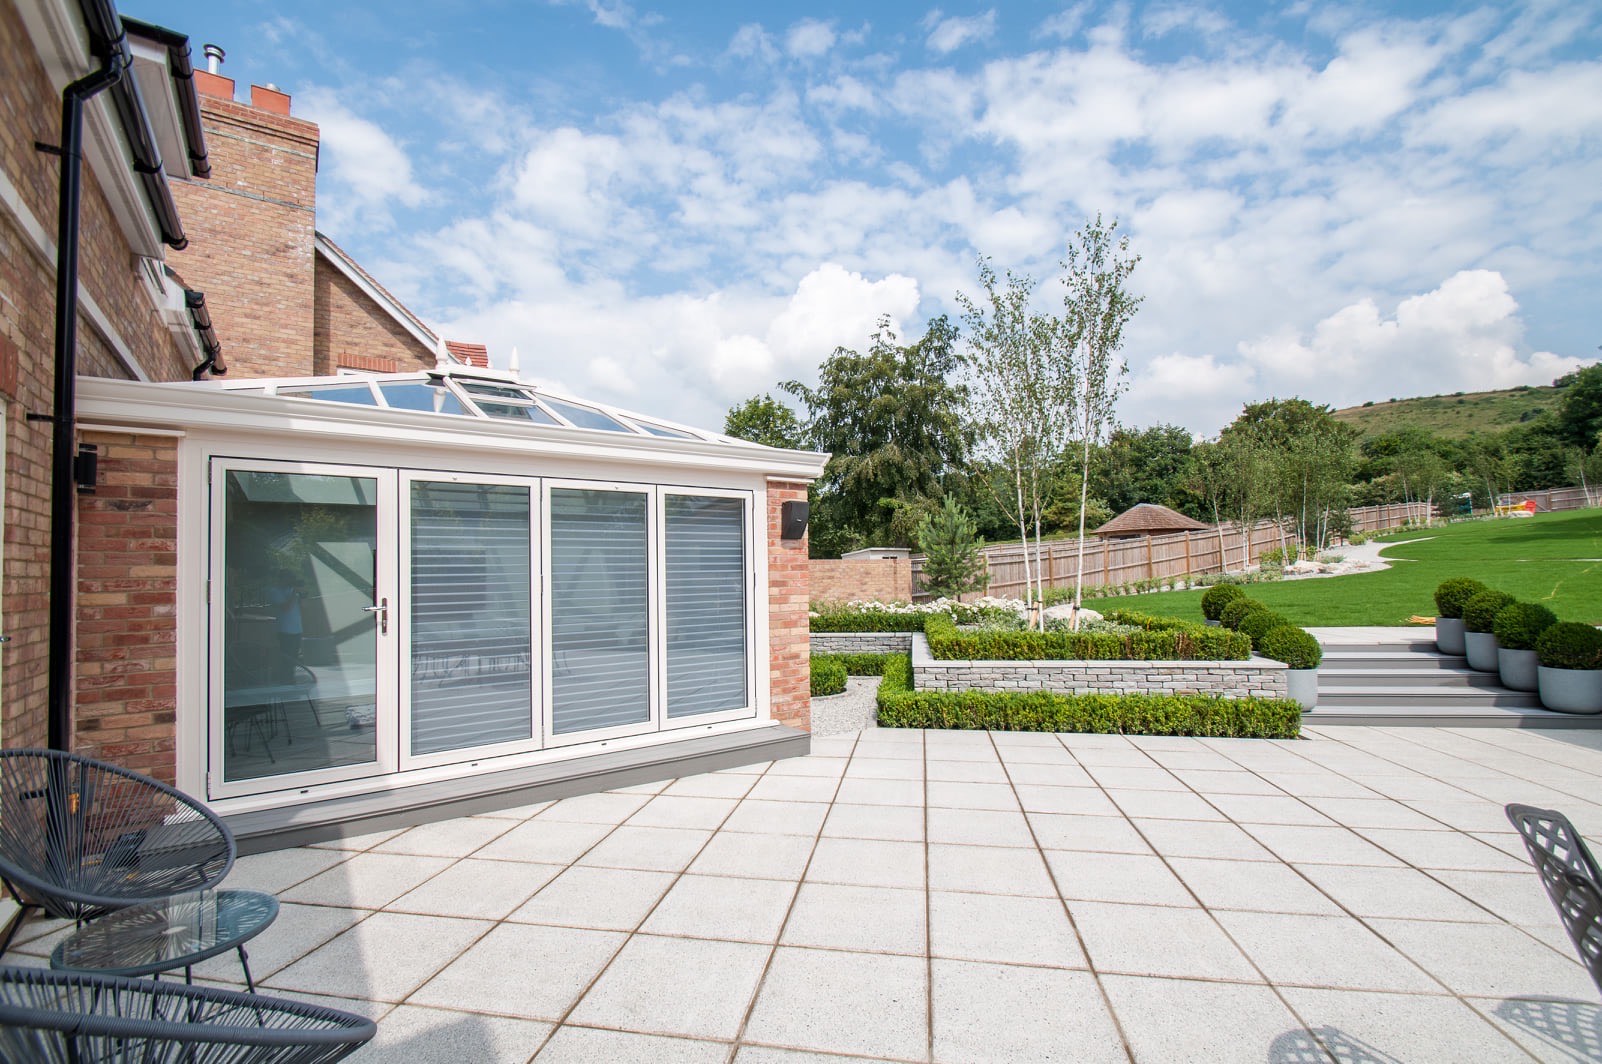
(382, 609)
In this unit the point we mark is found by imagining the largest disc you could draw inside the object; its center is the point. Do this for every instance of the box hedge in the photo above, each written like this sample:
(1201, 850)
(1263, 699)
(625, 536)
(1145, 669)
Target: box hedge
(873, 617)
(1258, 623)
(1236, 611)
(828, 675)
(1452, 595)
(1565, 645)
(1292, 645)
(1519, 624)
(1215, 598)
(1159, 639)
(900, 706)
(1479, 613)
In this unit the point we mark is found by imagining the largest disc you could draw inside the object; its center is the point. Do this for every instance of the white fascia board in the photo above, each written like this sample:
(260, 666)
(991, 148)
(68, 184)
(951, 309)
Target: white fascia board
(383, 300)
(152, 68)
(188, 406)
(56, 28)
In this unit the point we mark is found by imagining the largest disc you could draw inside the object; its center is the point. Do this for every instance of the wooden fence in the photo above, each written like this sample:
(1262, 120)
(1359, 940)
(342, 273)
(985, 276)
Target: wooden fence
(1124, 561)
(1554, 498)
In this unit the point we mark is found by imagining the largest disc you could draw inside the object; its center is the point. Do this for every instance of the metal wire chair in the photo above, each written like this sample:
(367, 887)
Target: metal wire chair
(79, 837)
(67, 1018)
(1570, 875)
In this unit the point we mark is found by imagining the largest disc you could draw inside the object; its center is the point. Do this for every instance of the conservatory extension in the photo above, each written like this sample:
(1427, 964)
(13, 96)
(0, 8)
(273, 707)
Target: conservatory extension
(391, 592)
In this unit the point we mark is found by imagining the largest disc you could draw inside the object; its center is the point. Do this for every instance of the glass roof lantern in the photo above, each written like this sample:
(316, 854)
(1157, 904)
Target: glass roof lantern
(469, 393)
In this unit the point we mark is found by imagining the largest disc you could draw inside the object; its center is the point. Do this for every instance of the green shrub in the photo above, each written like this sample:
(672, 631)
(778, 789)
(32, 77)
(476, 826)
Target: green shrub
(1236, 611)
(1258, 623)
(1154, 639)
(876, 617)
(861, 664)
(1452, 595)
(828, 675)
(1292, 645)
(1215, 598)
(1519, 625)
(900, 706)
(1567, 645)
(1479, 613)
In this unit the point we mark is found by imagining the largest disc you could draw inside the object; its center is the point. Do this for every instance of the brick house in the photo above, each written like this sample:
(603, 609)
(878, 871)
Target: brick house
(355, 576)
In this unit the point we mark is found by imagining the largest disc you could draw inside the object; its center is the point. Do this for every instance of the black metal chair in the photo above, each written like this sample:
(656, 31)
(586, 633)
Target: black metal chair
(79, 837)
(1570, 875)
(67, 1018)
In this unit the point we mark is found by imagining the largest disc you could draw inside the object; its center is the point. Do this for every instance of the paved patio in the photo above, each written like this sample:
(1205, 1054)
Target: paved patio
(960, 896)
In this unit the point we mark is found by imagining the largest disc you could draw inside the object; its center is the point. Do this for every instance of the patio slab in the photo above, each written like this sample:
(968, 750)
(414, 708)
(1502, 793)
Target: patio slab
(1350, 896)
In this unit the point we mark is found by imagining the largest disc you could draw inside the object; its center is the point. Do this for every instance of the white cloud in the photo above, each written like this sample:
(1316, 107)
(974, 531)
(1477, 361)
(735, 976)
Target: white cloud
(948, 33)
(1464, 335)
(369, 169)
(751, 41)
(809, 39)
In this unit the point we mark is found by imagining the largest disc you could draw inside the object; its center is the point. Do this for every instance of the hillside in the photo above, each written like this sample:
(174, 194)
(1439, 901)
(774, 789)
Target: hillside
(1455, 415)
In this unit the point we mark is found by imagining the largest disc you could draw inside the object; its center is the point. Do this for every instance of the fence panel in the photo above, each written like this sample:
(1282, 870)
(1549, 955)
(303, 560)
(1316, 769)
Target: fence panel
(1211, 550)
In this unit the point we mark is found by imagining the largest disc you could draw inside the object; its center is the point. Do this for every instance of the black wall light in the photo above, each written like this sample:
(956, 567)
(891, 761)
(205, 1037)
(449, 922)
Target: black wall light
(793, 520)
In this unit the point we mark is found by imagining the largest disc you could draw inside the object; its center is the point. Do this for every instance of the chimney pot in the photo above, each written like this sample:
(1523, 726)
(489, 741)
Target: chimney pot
(214, 57)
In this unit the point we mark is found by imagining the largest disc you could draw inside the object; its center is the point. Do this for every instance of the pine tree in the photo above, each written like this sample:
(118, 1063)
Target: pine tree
(952, 562)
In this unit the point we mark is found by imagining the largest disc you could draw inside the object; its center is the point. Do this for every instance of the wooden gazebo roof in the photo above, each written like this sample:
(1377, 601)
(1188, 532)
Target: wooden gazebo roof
(1148, 519)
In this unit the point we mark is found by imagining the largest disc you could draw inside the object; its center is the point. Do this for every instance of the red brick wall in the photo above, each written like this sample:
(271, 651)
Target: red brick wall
(30, 110)
(251, 230)
(869, 579)
(126, 696)
(353, 332)
(790, 664)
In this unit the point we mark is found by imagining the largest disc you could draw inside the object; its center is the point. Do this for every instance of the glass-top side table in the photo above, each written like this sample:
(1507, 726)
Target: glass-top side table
(177, 932)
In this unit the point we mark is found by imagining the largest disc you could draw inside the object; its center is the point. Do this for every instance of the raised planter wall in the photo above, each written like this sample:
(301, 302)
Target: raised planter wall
(1257, 677)
(862, 642)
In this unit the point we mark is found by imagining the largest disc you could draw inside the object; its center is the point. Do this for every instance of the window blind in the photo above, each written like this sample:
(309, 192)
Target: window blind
(600, 635)
(470, 613)
(706, 604)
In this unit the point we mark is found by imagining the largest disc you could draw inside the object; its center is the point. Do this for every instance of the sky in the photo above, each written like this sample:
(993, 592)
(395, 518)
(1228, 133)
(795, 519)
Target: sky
(674, 207)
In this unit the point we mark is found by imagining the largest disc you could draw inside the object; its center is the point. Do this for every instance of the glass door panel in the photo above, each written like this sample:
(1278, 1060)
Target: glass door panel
(470, 616)
(707, 659)
(300, 637)
(599, 598)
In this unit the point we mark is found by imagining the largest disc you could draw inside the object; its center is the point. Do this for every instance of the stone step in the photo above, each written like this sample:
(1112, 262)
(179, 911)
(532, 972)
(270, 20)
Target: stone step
(1438, 716)
(1416, 679)
(1392, 660)
(1414, 696)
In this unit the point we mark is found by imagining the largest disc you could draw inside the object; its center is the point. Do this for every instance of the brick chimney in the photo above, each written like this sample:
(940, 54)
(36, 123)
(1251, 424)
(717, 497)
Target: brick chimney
(251, 226)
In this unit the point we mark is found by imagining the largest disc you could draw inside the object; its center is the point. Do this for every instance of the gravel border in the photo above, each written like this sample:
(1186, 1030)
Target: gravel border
(852, 711)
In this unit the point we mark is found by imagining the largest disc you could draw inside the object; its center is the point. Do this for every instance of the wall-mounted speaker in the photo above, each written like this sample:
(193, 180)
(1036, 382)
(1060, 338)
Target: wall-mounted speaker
(793, 520)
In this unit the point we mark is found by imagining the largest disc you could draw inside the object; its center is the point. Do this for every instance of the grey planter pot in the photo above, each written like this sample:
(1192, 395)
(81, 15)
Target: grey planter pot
(1449, 635)
(1214, 624)
(1302, 685)
(1571, 690)
(1480, 649)
(1518, 669)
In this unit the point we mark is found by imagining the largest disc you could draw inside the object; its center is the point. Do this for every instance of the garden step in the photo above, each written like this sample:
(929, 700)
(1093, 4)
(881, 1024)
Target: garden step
(1442, 716)
(1391, 661)
(1340, 675)
(1419, 695)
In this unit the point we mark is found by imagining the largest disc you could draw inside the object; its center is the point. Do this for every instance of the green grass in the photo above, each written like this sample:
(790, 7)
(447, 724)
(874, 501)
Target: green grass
(1553, 559)
(1453, 415)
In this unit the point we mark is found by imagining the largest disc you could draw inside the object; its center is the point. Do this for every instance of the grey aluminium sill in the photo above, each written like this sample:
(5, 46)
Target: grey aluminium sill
(336, 818)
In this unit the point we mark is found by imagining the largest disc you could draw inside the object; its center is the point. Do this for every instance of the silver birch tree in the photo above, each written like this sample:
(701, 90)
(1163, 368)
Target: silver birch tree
(1097, 305)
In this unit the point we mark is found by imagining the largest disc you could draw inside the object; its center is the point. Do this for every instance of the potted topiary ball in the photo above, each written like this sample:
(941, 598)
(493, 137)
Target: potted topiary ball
(1450, 598)
(1479, 642)
(1570, 674)
(1237, 610)
(1215, 598)
(1257, 624)
(1301, 654)
(1516, 628)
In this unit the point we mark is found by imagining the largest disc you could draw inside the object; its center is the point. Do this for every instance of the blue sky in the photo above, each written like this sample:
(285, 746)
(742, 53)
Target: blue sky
(674, 207)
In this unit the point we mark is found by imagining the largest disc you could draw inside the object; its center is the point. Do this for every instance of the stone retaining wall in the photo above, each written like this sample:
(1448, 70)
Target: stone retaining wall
(863, 642)
(1257, 677)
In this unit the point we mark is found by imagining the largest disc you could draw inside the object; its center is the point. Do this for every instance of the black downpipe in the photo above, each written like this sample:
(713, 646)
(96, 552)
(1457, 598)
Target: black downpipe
(63, 493)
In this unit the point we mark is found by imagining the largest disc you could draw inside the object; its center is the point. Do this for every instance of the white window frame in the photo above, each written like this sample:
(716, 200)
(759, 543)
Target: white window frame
(749, 710)
(386, 662)
(538, 700)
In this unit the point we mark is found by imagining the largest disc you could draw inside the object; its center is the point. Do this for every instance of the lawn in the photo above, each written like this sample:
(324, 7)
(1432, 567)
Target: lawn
(1554, 559)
